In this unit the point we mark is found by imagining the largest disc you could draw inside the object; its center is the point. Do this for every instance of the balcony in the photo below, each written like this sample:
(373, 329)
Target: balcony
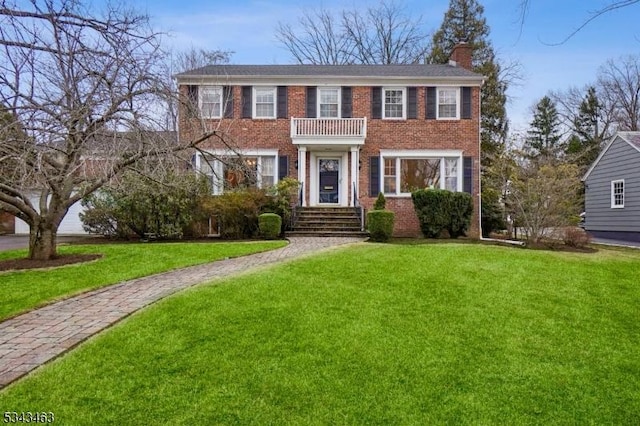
(329, 131)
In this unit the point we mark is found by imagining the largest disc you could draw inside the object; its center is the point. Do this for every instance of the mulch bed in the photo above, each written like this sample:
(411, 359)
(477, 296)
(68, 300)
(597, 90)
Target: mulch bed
(67, 259)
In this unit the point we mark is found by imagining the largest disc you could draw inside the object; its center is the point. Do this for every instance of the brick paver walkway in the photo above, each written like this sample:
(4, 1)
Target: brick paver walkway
(30, 340)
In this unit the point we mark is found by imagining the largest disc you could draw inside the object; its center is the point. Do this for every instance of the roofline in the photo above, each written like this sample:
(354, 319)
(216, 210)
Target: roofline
(310, 80)
(620, 135)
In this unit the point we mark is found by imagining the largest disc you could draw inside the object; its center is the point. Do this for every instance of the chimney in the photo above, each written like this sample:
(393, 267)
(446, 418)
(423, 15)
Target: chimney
(461, 55)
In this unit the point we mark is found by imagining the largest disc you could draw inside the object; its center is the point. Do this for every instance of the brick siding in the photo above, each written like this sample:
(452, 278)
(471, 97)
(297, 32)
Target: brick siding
(407, 134)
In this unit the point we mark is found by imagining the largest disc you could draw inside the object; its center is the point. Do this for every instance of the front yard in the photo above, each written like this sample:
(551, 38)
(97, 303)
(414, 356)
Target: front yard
(370, 334)
(24, 290)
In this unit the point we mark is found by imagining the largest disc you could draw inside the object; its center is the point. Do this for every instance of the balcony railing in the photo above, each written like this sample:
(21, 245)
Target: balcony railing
(329, 127)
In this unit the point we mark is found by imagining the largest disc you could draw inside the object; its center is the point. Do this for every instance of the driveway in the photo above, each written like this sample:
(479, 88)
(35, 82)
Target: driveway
(13, 242)
(620, 243)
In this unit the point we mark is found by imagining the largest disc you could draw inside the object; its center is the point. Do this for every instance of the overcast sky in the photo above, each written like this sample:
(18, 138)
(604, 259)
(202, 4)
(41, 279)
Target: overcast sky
(248, 29)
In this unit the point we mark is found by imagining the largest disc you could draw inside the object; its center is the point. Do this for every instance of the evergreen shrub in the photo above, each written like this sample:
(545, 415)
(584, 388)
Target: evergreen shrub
(270, 225)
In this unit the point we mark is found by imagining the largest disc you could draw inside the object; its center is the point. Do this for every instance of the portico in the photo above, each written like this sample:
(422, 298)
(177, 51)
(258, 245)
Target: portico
(328, 159)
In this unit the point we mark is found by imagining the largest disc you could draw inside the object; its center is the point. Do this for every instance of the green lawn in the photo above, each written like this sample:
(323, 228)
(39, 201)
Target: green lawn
(370, 334)
(24, 290)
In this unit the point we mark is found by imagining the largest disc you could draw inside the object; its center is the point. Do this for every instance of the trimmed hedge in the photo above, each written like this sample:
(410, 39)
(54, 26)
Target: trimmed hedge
(380, 224)
(270, 225)
(439, 209)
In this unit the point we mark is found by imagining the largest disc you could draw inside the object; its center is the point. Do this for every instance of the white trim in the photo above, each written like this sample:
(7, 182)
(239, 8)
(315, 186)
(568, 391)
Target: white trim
(218, 167)
(318, 97)
(403, 102)
(458, 94)
(613, 198)
(212, 88)
(343, 180)
(621, 135)
(398, 155)
(254, 102)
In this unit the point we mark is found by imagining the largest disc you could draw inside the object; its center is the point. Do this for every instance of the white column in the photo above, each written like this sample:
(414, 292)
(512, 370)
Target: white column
(302, 172)
(355, 156)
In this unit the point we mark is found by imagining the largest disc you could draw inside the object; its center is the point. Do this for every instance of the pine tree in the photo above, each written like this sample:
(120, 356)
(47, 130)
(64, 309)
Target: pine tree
(543, 136)
(585, 143)
(464, 21)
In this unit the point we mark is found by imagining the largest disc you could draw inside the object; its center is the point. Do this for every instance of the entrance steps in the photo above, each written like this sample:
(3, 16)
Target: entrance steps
(327, 222)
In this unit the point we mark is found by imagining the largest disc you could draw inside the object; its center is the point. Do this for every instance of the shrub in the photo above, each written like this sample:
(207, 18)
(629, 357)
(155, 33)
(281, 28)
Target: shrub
(439, 209)
(432, 208)
(380, 224)
(380, 203)
(576, 237)
(282, 196)
(460, 211)
(237, 211)
(270, 225)
(138, 205)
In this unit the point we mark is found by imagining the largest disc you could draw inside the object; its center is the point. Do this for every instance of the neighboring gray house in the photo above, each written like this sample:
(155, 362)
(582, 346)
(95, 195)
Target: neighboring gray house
(612, 190)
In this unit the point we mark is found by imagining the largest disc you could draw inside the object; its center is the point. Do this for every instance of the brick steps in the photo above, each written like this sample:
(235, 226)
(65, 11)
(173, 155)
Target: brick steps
(327, 222)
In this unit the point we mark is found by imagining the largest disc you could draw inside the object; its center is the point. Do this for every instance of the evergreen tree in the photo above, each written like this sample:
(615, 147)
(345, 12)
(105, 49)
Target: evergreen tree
(464, 21)
(585, 143)
(543, 136)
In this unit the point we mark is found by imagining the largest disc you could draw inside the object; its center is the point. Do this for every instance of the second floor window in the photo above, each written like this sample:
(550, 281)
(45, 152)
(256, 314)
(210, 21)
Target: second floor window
(448, 103)
(210, 101)
(264, 102)
(329, 102)
(393, 106)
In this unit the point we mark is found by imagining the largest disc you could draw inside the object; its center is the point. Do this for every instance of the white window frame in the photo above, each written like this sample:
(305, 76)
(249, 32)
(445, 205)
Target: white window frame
(271, 89)
(403, 103)
(614, 204)
(201, 91)
(457, 95)
(399, 155)
(217, 174)
(319, 102)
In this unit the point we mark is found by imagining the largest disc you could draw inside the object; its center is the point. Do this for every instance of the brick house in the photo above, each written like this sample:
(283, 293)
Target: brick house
(346, 132)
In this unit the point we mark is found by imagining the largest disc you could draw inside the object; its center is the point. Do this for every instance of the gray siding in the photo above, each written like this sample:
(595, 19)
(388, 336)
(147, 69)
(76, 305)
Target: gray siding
(621, 161)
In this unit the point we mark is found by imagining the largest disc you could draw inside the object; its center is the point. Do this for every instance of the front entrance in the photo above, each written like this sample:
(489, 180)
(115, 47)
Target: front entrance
(329, 179)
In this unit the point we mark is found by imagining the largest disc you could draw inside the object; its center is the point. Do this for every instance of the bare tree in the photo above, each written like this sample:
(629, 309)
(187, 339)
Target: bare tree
(595, 14)
(385, 34)
(543, 197)
(84, 92)
(619, 82)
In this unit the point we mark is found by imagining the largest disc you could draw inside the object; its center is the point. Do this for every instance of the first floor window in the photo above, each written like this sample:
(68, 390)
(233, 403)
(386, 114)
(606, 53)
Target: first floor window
(617, 194)
(229, 173)
(265, 102)
(210, 101)
(402, 176)
(389, 175)
(419, 173)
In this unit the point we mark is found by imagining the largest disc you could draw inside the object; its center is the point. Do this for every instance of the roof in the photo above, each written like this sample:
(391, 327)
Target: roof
(632, 138)
(296, 73)
(412, 70)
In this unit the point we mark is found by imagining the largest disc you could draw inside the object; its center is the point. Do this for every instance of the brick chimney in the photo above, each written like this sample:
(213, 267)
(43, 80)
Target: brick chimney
(461, 55)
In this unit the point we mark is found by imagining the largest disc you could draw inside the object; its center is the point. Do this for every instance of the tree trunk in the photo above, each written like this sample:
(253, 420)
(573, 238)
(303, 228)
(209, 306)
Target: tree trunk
(42, 241)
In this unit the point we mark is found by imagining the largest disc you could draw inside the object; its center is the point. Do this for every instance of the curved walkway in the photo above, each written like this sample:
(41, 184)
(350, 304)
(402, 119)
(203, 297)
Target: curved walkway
(34, 338)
